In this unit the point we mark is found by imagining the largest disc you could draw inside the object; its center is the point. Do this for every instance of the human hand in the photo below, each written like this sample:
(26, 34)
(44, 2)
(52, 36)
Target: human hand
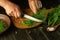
(35, 5)
(12, 9)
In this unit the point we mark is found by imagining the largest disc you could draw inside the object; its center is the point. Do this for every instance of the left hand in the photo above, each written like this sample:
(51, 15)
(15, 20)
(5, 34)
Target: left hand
(35, 5)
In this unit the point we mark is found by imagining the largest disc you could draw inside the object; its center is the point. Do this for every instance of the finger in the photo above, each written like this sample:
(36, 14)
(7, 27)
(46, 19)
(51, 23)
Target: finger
(33, 6)
(39, 4)
(36, 3)
(8, 14)
(15, 13)
(18, 13)
(12, 13)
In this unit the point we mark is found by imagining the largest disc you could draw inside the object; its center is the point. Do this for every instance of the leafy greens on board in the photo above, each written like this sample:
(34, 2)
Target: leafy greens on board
(39, 15)
(54, 16)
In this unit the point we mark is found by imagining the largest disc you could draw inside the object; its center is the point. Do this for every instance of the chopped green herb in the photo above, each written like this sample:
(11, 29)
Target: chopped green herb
(39, 15)
(53, 16)
(28, 22)
(3, 26)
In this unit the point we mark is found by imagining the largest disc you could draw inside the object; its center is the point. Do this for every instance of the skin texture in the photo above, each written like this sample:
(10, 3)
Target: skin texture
(35, 5)
(11, 8)
(14, 10)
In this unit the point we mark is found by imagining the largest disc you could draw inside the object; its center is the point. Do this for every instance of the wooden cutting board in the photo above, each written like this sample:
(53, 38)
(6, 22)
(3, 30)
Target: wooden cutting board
(17, 21)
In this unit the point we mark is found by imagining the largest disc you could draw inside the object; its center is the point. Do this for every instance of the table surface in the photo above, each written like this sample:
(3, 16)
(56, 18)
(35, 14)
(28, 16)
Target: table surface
(29, 34)
(37, 33)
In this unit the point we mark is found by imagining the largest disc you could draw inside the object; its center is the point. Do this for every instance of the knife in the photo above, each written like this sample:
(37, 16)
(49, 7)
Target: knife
(32, 18)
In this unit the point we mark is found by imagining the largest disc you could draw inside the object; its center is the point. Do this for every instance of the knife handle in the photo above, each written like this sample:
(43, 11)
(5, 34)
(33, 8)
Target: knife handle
(22, 14)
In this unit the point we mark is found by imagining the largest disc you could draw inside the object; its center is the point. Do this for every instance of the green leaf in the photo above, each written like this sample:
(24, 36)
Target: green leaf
(3, 25)
(41, 15)
(53, 16)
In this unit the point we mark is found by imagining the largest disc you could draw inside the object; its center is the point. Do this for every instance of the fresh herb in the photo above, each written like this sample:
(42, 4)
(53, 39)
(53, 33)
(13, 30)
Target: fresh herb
(28, 22)
(58, 21)
(3, 26)
(53, 16)
(41, 14)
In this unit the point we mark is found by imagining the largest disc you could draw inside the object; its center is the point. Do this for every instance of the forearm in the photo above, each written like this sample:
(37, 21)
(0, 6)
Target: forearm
(3, 3)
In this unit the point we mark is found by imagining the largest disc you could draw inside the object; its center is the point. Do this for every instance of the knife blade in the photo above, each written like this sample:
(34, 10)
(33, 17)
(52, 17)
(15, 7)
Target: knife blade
(32, 18)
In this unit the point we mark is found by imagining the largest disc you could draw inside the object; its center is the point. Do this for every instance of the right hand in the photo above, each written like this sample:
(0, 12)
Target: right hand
(12, 9)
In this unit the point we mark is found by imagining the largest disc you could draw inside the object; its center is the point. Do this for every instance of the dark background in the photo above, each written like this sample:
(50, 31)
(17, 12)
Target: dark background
(14, 33)
(46, 3)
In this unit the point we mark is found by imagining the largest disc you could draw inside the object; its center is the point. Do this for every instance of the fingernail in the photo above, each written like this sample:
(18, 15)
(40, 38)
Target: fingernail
(40, 4)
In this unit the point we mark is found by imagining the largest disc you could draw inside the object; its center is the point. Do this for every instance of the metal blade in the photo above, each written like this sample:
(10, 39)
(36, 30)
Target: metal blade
(32, 18)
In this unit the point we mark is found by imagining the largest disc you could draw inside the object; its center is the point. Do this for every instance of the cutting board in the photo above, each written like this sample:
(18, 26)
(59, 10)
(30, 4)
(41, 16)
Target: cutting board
(17, 21)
